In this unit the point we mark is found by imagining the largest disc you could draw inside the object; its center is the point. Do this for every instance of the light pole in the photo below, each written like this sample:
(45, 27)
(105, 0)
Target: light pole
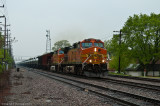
(156, 50)
(119, 65)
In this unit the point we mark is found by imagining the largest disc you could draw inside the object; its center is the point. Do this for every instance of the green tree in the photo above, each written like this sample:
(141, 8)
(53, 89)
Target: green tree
(142, 38)
(117, 50)
(1, 51)
(8, 58)
(61, 44)
(1, 41)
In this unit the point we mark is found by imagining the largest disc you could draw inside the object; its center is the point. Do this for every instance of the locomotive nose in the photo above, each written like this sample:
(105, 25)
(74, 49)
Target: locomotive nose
(97, 49)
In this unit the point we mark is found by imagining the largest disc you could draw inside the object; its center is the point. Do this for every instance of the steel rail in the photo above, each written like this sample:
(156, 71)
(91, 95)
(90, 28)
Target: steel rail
(136, 78)
(145, 99)
(133, 84)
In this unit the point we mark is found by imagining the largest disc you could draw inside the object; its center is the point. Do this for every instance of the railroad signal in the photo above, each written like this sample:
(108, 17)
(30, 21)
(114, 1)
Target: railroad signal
(48, 42)
(119, 65)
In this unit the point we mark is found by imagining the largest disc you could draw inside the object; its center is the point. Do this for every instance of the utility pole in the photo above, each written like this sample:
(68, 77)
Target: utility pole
(48, 42)
(2, 43)
(119, 65)
(4, 39)
(9, 44)
(7, 40)
(156, 50)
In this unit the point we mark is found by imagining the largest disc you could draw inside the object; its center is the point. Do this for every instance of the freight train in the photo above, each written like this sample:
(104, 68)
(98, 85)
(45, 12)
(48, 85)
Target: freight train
(87, 57)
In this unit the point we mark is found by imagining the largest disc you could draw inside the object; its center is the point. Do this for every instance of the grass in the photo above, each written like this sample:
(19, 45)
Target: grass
(112, 73)
(122, 74)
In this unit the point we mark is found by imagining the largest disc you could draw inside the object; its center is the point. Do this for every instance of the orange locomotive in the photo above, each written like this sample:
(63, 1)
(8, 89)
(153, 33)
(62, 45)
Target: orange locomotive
(87, 57)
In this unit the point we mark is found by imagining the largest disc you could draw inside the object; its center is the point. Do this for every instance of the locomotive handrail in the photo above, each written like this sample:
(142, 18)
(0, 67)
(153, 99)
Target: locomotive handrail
(104, 58)
(85, 62)
(60, 62)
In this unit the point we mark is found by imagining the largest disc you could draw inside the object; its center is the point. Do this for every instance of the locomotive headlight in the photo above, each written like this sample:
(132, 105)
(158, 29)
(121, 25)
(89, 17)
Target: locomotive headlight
(103, 61)
(90, 61)
(95, 49)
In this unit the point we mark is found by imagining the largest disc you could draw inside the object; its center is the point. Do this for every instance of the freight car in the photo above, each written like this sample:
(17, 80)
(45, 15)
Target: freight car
(44, 61)
(31, 63)
(87, 57)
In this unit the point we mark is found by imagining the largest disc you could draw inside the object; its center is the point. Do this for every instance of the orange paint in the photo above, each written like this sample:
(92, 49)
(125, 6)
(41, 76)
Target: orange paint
(93, 54)
(57, 57)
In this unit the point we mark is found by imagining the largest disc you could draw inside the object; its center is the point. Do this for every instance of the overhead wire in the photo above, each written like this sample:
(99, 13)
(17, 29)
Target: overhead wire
(1, 9)
(1, 4)
(106, 38)
(2, 1)
(4, 12)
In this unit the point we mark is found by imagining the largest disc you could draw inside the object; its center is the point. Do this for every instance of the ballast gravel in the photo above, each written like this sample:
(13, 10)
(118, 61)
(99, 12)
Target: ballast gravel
(31, 89)
(119, 87)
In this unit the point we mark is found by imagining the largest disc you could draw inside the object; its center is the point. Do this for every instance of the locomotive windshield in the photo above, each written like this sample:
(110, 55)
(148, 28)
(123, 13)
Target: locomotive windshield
(86, 45)
(61, 52)
(99, 45)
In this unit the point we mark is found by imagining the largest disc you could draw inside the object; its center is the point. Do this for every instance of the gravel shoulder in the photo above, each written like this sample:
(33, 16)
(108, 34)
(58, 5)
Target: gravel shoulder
(4, 85)
(28, 88)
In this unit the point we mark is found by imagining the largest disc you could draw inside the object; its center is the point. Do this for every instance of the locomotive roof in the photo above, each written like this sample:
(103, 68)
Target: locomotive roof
(91, 39)
(65, 49)
(45, 54)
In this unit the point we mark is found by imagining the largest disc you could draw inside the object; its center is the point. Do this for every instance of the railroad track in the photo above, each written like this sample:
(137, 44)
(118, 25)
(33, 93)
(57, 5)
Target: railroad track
(133, 84)
(128, 83)
(136, 78)
(154, 88)
(120, 97)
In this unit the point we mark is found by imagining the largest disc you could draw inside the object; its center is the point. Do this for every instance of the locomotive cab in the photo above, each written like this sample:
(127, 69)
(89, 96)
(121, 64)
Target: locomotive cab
(93, 57)
(57, 59)
(90, 43)
(93, 51)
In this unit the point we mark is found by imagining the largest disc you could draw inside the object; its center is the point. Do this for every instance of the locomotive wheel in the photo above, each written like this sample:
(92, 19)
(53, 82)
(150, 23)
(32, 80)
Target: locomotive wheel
(76, 70)
(80, 71)
(61, 69)
(64, 69)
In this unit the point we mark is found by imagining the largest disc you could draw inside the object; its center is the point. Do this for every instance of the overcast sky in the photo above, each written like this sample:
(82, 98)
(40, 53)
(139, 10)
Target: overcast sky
(71, 20)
